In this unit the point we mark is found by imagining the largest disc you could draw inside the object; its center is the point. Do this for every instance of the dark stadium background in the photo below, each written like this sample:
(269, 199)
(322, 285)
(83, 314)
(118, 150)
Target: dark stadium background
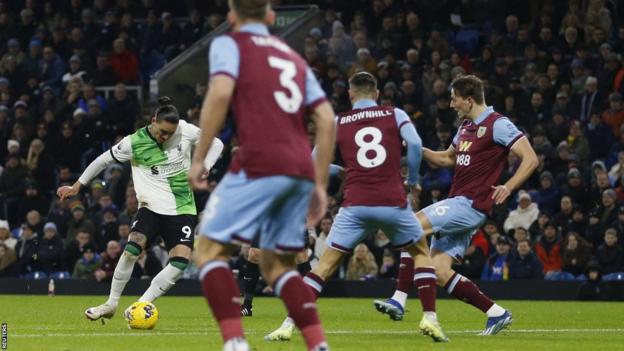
(75, 76)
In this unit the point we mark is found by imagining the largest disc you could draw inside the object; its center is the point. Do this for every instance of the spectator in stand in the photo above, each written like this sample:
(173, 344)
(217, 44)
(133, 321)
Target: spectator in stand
(524, 215)
(599, 137)
(389, 268)
(579, 223)
(40, 164)
(78, 223)
(123, 231)
(523, 263)
(520, 234)
(8, 261)
(617, 170)
(103, 75)
(537, 228)
(51, 69)
(192, 30)
(605, 214)
(548, 250)
(26, 251)
(13, 185)
(35, 223)
(122, 112)
(109, 227)
(124, 62)
(548, 194)
(88, 264)
(73, 251)
(496, 267)
(362, 264)
(33, 201)
(618, 225)
(88, 93)
(594, 289)
(576, 254)
(66, 148)
(5, 235)
(170, 36)
(320, 244)
(109, 261)
(576, 190)
(614, 115)
(579, 146)
(564, 216)
(610, 255)
(75, 70)
(51, 255)
(147, 265)
(590, 100)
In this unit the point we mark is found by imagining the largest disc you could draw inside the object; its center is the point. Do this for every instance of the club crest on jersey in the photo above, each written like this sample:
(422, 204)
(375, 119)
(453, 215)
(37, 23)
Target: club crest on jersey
(481, 131)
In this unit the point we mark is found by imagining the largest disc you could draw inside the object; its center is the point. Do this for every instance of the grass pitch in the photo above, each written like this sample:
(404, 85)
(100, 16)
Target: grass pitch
(57, 323)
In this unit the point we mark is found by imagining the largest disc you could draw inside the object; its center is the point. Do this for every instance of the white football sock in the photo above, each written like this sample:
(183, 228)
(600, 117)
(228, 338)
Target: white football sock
(432, 316)
(495, 311)
(288, 322)
(400, 297)
(236, 344)
(122, 274)
(161, 283)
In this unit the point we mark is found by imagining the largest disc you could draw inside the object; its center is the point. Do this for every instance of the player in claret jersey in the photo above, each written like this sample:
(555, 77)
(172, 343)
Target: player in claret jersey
(479, 155)
(272, 181)
(369, 140)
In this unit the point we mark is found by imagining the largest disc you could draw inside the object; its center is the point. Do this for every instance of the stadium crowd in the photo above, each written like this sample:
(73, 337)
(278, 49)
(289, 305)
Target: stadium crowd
(555, 68)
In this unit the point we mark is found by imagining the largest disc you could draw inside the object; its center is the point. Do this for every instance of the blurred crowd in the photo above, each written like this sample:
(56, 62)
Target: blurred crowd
(555, 68)
(56, 58)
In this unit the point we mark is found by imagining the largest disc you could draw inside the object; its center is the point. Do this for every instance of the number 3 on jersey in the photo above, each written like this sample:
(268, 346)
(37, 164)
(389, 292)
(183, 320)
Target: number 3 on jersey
(288, 71)
(371, 145)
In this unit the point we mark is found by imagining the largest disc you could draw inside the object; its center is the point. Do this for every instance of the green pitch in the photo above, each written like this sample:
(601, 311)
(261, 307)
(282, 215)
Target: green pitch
(57, 323)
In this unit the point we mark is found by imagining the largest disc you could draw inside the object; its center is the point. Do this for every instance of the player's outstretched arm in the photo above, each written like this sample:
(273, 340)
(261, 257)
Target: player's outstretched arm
(323, 117)
(212, 116)
(522, 148)
(94, 168)
(414, 145)
(440, 159)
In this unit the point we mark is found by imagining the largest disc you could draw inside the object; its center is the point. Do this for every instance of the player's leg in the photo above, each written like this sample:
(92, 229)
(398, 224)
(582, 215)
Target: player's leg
(179, 257)
(456, 221)
(143, 225)
(178, 235)
(425, 283)
(233, 215)
(303, 261)
(251, 275)
(465, 290)
(345, 234)
(221, 290)
(315, 279)
(395, 306)
(406, 231)
(282, 236)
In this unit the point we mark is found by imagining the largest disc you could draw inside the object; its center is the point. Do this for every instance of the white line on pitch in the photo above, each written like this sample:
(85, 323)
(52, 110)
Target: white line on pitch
(356, 332)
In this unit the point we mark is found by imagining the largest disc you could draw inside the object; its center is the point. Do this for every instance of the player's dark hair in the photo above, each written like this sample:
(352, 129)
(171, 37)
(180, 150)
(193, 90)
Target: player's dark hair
(363, 82)
(166, 111)
(468, 86)
(255, 9)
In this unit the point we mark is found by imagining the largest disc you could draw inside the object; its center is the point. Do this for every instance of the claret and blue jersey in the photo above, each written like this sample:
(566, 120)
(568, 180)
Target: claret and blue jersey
(270, 180)
(481, 149)
(369, 140)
